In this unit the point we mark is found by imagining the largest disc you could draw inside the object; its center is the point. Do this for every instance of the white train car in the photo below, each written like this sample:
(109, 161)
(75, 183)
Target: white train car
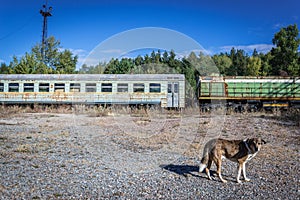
(166, 90)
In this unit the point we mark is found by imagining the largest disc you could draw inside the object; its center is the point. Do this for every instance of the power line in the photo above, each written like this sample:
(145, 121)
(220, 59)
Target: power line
(18, 28)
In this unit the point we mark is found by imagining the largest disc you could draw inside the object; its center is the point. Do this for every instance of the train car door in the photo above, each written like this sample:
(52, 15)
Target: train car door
(173, 94)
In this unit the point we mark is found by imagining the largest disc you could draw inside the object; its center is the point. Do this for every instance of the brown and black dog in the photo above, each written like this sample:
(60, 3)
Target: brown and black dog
(239, 151)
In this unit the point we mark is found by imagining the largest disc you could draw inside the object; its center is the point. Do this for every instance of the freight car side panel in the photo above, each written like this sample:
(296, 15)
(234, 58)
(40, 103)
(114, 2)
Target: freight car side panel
(261, 89)
(204, 89)
(217, 89)
(249, 88)
(214, 89)
(296, 89)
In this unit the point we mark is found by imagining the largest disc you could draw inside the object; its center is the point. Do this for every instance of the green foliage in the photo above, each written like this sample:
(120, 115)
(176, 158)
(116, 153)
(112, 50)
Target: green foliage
(5, 69)
(254, 66)
(119, 67)
(266, 68)
(223, 62)
(98, 69)
(239, 63)
(66, 63)
(54, 61)
(285, 56)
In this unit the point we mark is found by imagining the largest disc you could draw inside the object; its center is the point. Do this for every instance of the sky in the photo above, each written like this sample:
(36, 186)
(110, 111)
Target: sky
(84, 26)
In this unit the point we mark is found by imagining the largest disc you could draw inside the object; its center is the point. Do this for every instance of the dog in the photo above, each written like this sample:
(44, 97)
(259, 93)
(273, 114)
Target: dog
(239, 151)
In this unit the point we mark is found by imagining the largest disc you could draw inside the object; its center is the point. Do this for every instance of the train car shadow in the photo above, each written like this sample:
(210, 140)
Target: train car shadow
(183, 170)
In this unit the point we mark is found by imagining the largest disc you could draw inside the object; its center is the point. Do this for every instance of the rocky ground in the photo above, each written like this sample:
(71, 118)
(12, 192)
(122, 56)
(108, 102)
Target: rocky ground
(142, 155)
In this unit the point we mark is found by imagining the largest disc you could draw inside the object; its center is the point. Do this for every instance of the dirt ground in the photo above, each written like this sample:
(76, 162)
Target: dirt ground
(139, 143)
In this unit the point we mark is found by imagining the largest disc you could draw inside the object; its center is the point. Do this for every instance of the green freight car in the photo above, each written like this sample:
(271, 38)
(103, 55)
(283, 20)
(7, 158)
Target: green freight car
(250, 92)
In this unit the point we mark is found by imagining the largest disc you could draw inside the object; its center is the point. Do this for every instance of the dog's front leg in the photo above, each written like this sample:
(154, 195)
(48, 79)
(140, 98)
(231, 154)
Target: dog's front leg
(244, 172)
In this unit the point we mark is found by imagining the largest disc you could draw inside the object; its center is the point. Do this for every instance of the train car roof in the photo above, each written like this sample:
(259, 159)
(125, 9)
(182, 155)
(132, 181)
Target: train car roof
(249, 79)
(92, 77)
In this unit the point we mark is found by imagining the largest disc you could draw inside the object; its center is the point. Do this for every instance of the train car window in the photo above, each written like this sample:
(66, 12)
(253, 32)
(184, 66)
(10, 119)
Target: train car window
(59, 87)
(155, 87)
(44, 87)
(138, 87)
(28, 87)
(169, 88)
(106, 87)
(74, 87)
(13, 87)
(1, 87)
(176, 89)
(122, 87)
(90, 87)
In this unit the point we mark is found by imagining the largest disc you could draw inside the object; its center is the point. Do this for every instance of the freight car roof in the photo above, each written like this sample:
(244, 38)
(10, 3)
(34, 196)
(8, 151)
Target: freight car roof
(249, 79)
(93, 77)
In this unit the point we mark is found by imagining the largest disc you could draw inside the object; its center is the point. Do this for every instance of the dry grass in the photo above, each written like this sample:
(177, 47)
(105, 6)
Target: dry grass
(8, 111)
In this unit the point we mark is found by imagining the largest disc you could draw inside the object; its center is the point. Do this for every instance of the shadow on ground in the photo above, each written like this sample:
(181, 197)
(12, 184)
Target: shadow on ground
(183, 170)
(190, 170)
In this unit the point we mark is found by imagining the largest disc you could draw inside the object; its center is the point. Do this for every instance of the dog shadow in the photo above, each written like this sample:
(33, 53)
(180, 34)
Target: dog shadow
(188, 170)
(183, 170)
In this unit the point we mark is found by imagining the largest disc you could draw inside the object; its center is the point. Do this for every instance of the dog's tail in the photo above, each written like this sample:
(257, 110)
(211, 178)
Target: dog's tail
(203, 164)
(206, 151)
(202, 167)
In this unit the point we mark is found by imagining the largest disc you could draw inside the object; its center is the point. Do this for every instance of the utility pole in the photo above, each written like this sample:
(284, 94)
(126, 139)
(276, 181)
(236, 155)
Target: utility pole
(45, 12)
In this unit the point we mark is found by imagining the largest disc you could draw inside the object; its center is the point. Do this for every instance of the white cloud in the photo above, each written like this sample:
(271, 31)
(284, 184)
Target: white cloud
(109, 51)
(261, 48)
(278, 26)
(78, 51)
(81, 54)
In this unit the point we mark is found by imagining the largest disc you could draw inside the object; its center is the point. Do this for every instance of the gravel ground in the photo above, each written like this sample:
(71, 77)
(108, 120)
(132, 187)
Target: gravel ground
(142, 156)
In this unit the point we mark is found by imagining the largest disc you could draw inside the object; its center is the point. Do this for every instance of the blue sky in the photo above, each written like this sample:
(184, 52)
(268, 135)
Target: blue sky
(217, 25)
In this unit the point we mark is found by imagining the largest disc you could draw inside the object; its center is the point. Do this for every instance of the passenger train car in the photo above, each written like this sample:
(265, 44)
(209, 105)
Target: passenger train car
(249, 92)
(167, 90)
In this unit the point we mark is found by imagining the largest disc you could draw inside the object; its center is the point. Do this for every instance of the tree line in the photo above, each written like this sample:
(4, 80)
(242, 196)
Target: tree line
(282, 60)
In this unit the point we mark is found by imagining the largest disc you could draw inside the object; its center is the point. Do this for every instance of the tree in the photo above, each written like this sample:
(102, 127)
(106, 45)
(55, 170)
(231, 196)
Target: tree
(147, 59)
(239, 63)
(112, 66)
(232, 70)
(165, 57)
(223, 62)
(285, 56)
(26, 65)
(5, 69)
(158, 57)
(66, 63)
(138, 60)
(254, 66)
(255, 53)
(266, 68)
(54, 61)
